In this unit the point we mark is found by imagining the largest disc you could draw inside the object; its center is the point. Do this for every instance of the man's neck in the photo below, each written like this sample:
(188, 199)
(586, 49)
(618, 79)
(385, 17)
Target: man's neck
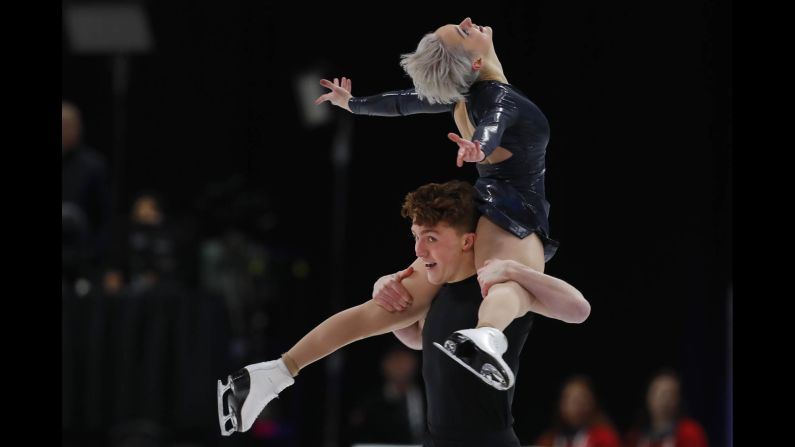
(466, 268)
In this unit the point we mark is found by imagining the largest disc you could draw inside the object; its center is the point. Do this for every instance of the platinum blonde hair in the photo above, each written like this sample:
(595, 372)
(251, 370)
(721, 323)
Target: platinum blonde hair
(440, 74)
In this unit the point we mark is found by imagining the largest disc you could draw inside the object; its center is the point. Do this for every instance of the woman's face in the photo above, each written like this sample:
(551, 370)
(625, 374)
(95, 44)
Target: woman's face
(474, 38)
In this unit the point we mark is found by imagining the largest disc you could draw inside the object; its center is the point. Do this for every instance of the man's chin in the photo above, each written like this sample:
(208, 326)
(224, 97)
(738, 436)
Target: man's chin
(434, 281)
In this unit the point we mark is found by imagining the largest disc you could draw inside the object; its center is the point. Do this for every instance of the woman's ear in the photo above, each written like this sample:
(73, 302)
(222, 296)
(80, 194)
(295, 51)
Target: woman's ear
(477, 64)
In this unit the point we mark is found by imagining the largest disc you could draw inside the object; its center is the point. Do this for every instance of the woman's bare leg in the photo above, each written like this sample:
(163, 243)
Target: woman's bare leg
(480, 350)
(246, 393)
(509, 300)
(362, 321)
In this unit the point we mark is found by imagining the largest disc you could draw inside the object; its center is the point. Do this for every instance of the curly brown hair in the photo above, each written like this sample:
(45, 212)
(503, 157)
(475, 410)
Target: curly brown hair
(452, 202)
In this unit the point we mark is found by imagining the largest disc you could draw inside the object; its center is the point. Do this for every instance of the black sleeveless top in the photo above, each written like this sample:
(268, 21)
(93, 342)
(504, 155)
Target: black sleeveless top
(458, 401)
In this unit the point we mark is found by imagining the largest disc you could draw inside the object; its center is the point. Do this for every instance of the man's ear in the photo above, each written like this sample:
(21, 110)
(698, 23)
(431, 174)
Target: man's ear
(469, 241)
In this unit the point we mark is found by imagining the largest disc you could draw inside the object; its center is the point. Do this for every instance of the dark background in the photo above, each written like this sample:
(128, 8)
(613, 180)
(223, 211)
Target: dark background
(638, 174)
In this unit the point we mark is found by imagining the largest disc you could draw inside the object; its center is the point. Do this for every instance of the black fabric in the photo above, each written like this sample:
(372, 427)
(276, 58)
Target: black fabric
(459, 403)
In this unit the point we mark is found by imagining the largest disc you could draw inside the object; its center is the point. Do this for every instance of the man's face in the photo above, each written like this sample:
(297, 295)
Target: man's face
(441, 247)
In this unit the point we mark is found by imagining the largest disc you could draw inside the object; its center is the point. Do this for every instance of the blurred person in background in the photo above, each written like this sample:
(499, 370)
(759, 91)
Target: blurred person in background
(147, 249)
(394, 413)
(85, 200)
(663, 422)
(580, 421)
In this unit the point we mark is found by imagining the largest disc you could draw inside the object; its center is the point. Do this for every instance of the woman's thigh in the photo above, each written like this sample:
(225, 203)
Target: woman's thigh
(493, 242)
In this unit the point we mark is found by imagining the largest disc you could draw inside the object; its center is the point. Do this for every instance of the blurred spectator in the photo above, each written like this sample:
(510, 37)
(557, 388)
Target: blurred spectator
(580, 421)
(148, 250)
(395, 413)
(663, 423)
(239, 268)
(113, 282)
(86, 200)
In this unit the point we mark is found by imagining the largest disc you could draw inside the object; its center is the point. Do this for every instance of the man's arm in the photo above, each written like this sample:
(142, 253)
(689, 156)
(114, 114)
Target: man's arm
(389, 293)
(411, 336)
(552, 297)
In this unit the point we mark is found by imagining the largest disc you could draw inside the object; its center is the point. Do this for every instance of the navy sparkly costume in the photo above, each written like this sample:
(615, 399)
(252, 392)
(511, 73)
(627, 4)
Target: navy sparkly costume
(511, 191)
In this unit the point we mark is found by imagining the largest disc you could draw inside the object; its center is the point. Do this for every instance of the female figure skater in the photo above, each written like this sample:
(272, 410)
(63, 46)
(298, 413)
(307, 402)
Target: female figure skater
(454, 69)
